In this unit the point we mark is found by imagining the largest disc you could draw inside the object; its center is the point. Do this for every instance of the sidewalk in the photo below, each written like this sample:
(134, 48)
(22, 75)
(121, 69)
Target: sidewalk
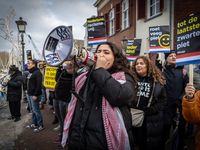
(14, 135)
(42, 140)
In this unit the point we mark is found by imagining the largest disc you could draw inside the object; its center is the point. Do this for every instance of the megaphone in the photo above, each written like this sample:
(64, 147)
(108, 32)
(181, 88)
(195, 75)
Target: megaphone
(59, 47)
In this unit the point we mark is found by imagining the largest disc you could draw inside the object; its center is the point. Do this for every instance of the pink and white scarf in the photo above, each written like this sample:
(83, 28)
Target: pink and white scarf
(116, 134)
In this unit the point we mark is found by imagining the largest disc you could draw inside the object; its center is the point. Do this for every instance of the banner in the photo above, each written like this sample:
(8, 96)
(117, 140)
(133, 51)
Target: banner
(96, 30)
(159, 39)
(49, 78)
(133, 49)
(28, 55)
(188, 40)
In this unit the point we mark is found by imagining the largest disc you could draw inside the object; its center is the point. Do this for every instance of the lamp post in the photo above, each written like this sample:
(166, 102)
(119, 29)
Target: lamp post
(124, 44)
(21, 26)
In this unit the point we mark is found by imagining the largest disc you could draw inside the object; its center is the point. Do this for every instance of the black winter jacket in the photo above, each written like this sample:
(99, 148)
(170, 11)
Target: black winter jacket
(175, 90)
(63, 84)
(34, 82)
(154, 117)
(14, 92)
(87, 130)
(24, 77)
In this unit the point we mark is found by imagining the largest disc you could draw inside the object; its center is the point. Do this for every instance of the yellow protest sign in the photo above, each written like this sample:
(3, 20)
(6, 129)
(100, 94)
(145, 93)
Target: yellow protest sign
(49, 78)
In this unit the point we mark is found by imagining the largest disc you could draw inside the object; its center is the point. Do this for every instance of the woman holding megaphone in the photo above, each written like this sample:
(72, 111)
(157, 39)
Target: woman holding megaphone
(100, 117)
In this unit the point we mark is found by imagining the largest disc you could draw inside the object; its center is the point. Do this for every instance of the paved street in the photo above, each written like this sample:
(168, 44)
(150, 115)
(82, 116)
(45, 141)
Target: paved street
(14, 136)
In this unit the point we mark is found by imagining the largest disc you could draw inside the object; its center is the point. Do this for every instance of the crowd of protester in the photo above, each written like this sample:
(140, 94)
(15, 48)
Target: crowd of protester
(97, 115)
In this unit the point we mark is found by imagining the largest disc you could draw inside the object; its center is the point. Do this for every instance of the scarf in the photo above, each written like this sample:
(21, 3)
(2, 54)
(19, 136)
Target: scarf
(116, 134)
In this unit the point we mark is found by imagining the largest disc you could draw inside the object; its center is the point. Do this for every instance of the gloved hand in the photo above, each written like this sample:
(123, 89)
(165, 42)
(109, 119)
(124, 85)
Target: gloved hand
(147, 111)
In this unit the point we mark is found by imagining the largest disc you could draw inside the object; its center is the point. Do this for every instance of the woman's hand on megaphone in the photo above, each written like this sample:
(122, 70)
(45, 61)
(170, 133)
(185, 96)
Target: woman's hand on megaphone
(70, 67)
(101, 61)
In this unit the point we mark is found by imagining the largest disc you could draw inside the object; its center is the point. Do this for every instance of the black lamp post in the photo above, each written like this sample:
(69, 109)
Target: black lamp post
(124, 44)
(21, 26)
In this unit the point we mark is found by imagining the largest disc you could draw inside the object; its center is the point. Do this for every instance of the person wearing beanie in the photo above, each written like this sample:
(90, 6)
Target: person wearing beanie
(14, 93)
(171, 52)
(43, 98)
(176, 81)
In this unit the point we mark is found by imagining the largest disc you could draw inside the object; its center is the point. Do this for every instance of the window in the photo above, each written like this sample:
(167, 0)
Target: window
(154, 7)
(125, 14)
(112, 22)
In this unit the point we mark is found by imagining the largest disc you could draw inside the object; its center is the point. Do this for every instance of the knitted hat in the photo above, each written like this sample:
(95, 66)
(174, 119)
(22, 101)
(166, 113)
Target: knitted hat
(171, 51)
(13, 68)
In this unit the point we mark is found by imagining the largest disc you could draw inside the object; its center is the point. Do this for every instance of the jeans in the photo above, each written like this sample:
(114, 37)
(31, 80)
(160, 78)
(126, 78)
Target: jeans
(60, 112)
(35, 109)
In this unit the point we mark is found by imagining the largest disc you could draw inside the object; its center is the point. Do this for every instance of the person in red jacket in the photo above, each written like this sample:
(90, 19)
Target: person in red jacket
(191, 109)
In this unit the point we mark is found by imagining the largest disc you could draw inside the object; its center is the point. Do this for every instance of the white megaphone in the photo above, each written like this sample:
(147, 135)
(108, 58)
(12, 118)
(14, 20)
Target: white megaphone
(59, 47)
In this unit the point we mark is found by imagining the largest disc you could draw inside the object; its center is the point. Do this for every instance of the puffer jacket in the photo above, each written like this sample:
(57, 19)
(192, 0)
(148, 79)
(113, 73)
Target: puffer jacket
(176, 82)
(191, 113)
(87, 129)
(14, 92)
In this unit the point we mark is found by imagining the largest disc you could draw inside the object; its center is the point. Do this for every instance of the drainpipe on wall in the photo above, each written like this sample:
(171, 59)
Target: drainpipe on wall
(170, 22)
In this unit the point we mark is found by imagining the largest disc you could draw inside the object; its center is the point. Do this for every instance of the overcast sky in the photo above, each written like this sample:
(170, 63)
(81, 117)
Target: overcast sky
(42, 16)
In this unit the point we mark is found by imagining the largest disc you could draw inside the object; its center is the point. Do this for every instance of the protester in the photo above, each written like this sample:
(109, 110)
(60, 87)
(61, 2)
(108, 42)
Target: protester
(43, 98)
(34, 87)
(177, 79)
(191, 109)
(196, 81)
(101, 118)
(59, 102)
(14, 93)
(150, 91)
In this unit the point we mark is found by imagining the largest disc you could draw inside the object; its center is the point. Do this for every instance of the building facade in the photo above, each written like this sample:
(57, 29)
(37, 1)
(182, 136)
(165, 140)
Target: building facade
(120, 19)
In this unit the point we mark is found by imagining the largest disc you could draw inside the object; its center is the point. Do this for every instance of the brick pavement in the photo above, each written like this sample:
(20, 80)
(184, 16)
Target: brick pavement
(42, 140)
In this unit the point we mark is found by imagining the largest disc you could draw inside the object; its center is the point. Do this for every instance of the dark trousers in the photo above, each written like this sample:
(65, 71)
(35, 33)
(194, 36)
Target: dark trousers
(140, 136)
(166, 132)
(60, 112)
(15, 107)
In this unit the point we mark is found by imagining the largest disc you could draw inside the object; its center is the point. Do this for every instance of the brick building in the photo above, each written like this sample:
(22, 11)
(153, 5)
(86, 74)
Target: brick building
(132, 19)
(120, 18)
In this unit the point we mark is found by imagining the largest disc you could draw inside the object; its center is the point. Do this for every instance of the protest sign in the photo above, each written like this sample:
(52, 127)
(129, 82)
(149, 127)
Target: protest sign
(133, 49)
(187, 40)
(49, 78)
(28, 55)
(96, 30)
(159, 39)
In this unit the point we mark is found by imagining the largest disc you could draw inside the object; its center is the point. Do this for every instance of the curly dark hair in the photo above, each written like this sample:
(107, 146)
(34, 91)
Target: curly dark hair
(121, 63)
(152, 70)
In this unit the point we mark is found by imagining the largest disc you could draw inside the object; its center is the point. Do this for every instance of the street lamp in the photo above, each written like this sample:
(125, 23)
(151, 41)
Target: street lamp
(21, 26)
(124, 44)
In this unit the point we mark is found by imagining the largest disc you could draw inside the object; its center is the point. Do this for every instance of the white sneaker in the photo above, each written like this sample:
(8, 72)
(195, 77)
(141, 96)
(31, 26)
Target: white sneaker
(31, 126)
(39, 128)
(57, 128)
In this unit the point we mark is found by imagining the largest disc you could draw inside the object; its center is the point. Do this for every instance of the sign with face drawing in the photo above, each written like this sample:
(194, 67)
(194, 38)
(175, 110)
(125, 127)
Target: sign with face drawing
(159, 39)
